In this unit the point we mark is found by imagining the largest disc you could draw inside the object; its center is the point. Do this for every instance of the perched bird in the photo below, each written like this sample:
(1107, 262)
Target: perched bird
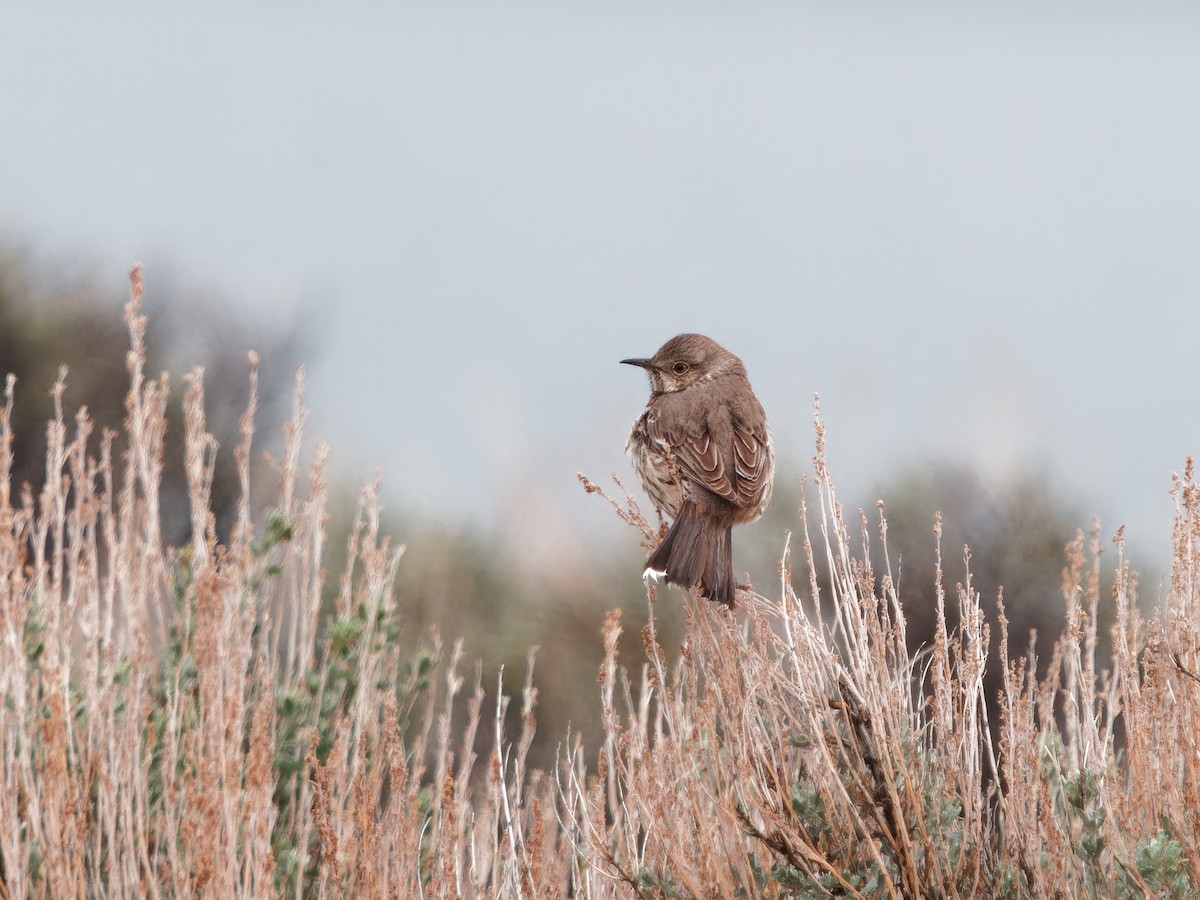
(703, 452)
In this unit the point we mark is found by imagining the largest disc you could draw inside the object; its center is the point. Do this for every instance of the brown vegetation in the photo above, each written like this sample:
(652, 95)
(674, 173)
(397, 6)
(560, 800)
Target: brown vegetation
(193, 722)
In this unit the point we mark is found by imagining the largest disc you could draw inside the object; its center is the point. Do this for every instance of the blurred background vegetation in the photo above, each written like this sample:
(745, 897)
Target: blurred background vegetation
(495, 588)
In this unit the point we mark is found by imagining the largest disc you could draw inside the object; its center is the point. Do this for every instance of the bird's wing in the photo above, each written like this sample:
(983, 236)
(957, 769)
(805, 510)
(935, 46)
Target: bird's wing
(703, 463)
(703, 455)
(751, 462)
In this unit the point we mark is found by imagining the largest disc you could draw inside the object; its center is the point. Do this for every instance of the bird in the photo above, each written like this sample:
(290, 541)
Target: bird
(702, 449)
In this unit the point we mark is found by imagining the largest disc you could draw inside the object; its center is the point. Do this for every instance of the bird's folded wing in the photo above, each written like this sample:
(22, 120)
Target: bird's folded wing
(752, 464)
(740, 480)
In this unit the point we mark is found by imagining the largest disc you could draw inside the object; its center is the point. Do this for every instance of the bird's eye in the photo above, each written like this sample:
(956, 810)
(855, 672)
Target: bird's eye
(680, 368)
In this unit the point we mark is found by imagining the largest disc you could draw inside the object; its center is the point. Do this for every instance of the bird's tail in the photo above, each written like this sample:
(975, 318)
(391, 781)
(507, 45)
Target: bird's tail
(697, 552)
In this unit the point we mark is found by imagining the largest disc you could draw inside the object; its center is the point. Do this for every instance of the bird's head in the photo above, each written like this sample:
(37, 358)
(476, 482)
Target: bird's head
(684, 360)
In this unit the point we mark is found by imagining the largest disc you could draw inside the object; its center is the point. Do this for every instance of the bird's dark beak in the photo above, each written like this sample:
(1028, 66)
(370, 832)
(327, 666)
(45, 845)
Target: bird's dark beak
(643, 363)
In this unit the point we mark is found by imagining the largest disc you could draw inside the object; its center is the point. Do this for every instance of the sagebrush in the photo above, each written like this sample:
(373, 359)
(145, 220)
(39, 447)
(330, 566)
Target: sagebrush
(216, 720)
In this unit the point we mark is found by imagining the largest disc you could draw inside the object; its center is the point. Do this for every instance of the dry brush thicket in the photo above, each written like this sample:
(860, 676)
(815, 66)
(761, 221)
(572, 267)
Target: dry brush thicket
(212, 721)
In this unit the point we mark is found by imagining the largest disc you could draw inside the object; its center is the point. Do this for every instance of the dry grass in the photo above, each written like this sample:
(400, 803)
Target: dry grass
(195, 722)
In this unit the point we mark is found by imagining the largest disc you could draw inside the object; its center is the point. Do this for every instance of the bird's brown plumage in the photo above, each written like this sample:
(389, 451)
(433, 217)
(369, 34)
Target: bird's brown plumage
(703, 451)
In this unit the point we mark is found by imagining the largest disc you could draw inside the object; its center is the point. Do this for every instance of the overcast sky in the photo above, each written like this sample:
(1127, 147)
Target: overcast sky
(974, 231)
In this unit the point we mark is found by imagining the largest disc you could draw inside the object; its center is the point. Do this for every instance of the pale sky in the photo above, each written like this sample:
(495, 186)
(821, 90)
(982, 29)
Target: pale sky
(973, 230)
